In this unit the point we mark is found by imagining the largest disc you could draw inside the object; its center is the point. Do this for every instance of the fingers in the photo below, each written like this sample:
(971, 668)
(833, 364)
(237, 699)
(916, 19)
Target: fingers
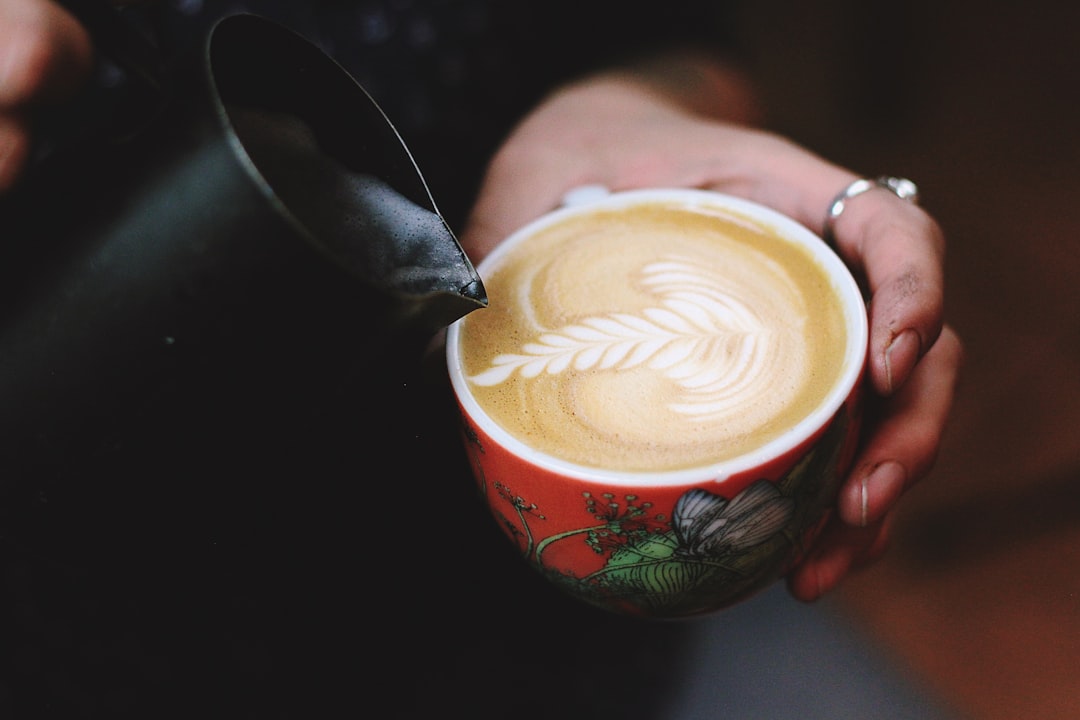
(44, 55)
(900, 251)
(895, 248)
(900, 451)
(902, 443)
(840, 550)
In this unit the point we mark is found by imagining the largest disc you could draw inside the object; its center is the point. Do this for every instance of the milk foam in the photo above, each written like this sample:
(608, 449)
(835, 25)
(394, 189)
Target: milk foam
(653, 339)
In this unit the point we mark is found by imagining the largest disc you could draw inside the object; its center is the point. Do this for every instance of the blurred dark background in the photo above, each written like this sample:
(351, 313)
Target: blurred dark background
(977, 102)
(977, 603)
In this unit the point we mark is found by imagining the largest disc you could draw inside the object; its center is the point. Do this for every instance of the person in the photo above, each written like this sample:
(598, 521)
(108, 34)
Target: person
(531, 103)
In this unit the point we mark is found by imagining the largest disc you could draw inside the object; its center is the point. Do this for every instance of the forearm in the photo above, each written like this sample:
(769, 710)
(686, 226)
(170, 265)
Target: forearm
(696, 82)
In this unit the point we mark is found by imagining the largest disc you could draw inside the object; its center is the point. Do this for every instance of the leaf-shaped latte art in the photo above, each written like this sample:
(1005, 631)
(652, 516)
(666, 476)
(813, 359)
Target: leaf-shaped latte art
(707, 333)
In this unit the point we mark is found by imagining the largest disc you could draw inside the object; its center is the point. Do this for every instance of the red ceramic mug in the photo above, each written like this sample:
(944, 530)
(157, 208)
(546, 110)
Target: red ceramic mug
(663, 395)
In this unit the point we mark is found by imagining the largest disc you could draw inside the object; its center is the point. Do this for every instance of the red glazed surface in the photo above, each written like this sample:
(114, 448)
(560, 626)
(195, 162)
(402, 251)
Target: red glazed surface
(632, 550)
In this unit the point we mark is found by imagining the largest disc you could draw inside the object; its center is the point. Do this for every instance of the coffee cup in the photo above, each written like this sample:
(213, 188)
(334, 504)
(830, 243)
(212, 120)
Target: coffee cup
(663, 395)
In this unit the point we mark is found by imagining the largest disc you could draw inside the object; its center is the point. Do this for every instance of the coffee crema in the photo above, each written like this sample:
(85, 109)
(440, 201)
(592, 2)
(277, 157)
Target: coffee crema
(653, 337)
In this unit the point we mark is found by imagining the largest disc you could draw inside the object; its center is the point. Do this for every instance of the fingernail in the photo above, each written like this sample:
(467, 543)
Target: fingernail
(864, 493)
(900, 357)
(879, 490)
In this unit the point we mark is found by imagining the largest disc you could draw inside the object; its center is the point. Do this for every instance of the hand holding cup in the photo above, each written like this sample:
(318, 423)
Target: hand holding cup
(663, 396)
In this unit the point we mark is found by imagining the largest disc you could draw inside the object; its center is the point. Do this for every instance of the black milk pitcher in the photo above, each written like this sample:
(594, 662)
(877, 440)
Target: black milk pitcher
(258, 244)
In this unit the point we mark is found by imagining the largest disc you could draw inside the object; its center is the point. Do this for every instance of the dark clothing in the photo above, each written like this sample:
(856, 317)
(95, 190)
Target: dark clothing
(324, 554)
(454, 75)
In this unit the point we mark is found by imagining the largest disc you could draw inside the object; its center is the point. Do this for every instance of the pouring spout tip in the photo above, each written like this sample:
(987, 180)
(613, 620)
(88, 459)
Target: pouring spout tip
(475, 291)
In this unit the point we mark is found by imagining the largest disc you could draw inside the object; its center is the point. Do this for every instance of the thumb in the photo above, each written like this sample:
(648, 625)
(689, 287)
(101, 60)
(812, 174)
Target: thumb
(45, 55)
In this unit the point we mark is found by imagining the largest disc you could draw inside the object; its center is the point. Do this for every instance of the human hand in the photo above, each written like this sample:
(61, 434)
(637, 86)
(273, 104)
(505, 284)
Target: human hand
(623, 130)
(44, 56)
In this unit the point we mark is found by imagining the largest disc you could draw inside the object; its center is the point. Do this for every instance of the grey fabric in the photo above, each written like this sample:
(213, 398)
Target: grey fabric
(772, 658)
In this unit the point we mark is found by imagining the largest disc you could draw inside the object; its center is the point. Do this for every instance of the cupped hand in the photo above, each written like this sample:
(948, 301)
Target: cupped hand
(622, 131)
(44, 55)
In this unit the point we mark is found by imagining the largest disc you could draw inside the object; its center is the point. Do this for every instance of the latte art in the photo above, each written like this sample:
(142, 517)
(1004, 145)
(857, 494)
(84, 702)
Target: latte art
(653, 338)
(704, 339)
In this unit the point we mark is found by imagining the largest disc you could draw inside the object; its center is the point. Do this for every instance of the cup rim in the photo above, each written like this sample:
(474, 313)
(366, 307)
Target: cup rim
(588, 199)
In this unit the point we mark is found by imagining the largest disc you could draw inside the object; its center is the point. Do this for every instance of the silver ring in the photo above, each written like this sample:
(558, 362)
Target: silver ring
(898, 186)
